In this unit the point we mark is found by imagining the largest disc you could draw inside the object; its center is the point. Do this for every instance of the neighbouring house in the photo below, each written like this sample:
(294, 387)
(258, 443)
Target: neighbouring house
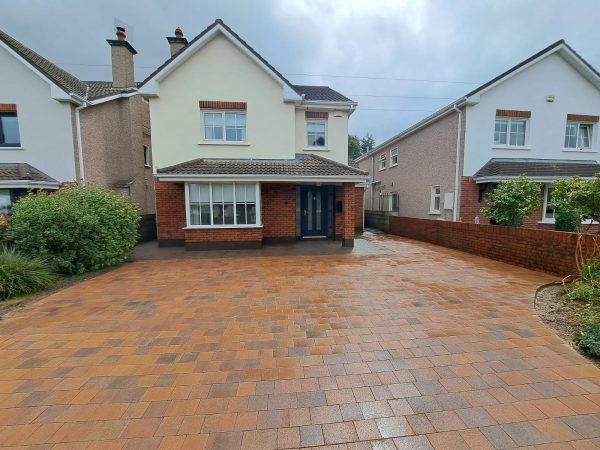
(56, 129)
(242, 155)
(539, 119)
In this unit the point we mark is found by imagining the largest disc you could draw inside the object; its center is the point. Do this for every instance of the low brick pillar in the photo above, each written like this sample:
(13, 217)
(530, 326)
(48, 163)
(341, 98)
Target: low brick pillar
(170, 213)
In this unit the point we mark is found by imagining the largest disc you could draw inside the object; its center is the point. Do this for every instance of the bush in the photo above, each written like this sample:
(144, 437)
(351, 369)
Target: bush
(568, 220)
(77, 229)
(20, 275)
(584, 292)
(512, 201)
(589, 338)
(4, 227)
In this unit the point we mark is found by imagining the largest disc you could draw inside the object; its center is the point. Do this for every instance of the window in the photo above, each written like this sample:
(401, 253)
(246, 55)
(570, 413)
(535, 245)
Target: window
(436, 198)
(9, 130)
(578, 135)
(394, 157)
(225, 126)
(222, 204)
(548, 211)
(5, 202)
(316, 133)
(382, 161)
(146, 156)
(510, 132)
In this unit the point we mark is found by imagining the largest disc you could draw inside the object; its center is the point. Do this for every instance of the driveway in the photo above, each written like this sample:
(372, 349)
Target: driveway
(399, 344)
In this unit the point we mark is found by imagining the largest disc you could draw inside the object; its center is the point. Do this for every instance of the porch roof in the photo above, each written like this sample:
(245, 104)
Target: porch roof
(303, 166)
(497, 169)
(15, 175)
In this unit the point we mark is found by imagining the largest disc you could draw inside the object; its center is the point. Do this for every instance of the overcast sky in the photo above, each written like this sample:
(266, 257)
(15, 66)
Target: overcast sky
(376, 49)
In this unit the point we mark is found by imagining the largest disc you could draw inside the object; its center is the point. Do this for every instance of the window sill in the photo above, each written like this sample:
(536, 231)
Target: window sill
(510, 147)
(219, 227)
(577, 150)
(315, 149)
(394, 165)
(547, 221)
(434, 213)
(147, 166)
(381, 170)
(234, 143)
(11, 148)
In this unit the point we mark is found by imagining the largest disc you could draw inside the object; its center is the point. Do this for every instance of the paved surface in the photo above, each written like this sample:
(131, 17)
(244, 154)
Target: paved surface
(410, 348)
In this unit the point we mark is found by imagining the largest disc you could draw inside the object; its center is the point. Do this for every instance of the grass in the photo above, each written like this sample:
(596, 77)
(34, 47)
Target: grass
(22, 275)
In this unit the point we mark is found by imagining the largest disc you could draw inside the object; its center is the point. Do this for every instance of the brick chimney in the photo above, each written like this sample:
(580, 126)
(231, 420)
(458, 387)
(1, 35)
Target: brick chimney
(177, 42)
(122, 60)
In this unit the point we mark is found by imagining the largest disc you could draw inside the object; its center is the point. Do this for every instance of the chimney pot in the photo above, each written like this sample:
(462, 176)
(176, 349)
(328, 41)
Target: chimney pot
(177, 42)
(178, 33)
(121, 36)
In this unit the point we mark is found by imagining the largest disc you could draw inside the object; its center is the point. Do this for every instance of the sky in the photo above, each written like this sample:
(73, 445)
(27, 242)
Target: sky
(400, 60)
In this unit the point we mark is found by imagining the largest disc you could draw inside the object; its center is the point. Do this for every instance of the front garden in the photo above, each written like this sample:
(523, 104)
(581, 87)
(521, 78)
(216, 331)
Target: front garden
(53, 236)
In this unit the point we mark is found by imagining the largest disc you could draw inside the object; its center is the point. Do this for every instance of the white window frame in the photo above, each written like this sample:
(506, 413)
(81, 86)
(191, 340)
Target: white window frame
(382, 162)
(433, 196)
(577, 146)
(508, 120)
(258, 223)
(147, 162)
(393, 154)
(317, 147)
(545, 219)
(224, 125)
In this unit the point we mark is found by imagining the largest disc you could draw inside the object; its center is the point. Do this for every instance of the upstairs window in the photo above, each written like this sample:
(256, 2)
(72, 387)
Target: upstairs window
(146, 156)
(578, 135)
(316, 133)
(394, 157)
(510, 132)
(9, 126)
(225, 126)
(382, 161)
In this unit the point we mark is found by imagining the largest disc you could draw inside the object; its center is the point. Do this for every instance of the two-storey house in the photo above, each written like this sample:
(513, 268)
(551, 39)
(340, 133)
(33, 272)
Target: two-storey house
(56, 128)
(538, 119)
(241, 155)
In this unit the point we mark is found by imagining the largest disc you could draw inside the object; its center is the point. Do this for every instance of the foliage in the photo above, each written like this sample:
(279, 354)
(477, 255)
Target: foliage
(581, 291)
(21, 275)
(567, 220)
(588, 338)
(367, 143)
(354, 149)
(4, 227)
(77, 229)
(577, 194)
(512, 201)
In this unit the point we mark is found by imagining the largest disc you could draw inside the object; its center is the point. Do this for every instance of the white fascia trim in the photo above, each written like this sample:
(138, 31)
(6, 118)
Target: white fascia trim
(547, 179)
(416, 127)
(150, 88)
(112, 97)
(27, 184)
(318, 104)
(258, 178)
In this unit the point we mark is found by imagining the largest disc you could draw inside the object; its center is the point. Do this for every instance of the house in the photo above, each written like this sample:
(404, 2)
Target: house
(539, 119)
(242, 155)
(55, 128)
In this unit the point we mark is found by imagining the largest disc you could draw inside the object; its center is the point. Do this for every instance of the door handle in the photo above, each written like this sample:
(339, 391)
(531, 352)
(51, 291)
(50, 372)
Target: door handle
(305, 213)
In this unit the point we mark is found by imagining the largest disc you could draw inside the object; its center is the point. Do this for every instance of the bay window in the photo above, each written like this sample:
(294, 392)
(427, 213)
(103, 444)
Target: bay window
(578, 135)
(223, 204)
(225, 126)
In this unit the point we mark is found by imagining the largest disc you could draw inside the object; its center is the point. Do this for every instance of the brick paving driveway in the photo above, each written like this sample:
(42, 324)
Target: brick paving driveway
(412, 347)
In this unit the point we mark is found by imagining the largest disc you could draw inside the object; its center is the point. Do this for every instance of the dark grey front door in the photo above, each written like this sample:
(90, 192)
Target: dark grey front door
(314, 211)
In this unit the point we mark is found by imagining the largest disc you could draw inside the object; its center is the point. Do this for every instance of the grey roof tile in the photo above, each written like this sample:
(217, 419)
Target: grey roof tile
(302, 165)
(23, 171)
(514, 167)
(323, 93)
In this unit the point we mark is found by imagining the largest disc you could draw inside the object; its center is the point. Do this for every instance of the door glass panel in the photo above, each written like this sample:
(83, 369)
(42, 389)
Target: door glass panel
(309, 211)
(318, 211)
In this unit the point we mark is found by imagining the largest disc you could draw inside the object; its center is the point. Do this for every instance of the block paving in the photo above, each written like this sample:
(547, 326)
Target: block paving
(412, 347)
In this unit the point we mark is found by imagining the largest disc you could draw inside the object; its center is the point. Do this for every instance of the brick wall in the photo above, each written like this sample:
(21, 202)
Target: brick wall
(170, 213)
(544, 250)
(279, 211)
(359, 209)
(196, 239)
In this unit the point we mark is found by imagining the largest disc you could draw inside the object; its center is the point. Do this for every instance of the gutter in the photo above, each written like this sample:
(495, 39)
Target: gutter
(457, 163)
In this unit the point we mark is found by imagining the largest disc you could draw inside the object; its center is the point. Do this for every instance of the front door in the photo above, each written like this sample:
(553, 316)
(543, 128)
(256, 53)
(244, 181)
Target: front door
(313, 210)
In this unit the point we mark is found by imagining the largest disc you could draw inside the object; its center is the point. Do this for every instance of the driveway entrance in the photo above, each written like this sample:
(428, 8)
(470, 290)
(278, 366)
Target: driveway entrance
(413, 346)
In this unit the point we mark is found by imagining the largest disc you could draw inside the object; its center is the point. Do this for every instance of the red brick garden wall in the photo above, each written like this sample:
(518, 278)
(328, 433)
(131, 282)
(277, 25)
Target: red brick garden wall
(170, 213)
(545, 250)
(359, 212)
(279, 211)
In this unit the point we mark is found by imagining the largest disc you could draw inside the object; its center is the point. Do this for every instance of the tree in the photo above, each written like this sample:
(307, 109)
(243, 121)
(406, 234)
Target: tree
(577, 196)
(367, 143)
(354, 149)
(512, 201)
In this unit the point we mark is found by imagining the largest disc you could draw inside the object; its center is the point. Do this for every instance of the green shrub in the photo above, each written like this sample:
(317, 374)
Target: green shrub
(512, 201)
(588, 338)
(584, 292)
(568, 220)
(20, 275)
(4, 227)
(77, 229)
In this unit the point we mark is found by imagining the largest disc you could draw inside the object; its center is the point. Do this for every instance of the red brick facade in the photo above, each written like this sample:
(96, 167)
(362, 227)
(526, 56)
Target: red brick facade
(359, 209)
(513, 113)
(582, 118)
(208, 104)
(278, 212)
(545, 250)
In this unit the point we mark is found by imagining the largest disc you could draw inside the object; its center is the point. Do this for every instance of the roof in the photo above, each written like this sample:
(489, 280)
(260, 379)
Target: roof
(499, 168)
(63, 79)
(23, 172)
(320, 93)
(303, 165)
(567, 52)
